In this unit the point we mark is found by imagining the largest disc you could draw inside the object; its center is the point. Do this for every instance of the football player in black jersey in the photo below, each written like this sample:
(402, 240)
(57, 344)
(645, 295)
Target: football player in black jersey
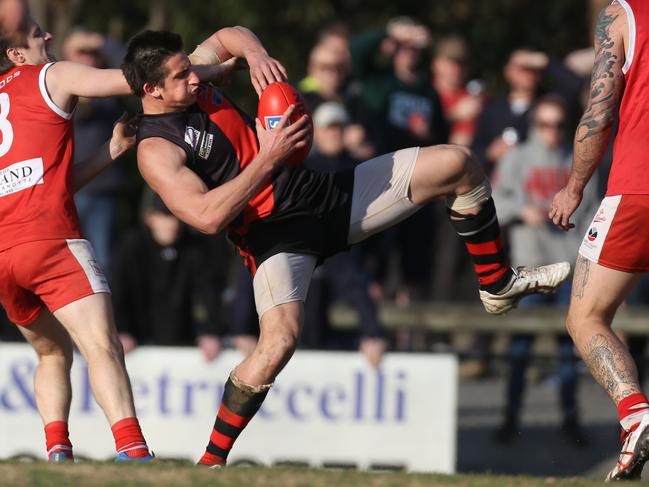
(217, 170)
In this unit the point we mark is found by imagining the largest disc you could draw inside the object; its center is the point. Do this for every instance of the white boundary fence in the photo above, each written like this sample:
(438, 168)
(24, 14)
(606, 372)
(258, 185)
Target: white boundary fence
(326, 408)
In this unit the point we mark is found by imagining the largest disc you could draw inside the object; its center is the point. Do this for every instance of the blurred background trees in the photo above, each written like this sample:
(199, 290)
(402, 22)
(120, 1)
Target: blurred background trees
(289, 28)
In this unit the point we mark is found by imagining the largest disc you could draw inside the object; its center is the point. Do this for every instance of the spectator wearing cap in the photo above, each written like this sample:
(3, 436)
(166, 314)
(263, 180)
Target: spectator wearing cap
(341, 277)
(462, 103)
(163, 293)
(505, 121)
(93, 123)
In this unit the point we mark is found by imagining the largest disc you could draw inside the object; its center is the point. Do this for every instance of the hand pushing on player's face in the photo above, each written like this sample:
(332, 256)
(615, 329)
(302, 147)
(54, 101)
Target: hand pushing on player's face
(282, 140)
(264, 70)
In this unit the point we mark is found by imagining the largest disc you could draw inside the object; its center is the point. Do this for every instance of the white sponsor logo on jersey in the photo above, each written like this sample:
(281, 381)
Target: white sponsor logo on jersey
(192, 136)
(21, 175)
(206, 146)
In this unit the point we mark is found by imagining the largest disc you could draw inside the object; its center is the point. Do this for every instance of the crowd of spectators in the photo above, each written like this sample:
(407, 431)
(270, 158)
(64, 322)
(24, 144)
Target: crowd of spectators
(369, 92)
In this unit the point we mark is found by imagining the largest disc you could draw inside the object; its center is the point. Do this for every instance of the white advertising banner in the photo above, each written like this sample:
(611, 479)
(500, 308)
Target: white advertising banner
(326, 408)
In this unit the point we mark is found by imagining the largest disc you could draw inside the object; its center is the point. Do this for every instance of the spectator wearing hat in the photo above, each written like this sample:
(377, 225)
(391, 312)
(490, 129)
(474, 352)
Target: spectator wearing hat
(163, 293)
(341, 277)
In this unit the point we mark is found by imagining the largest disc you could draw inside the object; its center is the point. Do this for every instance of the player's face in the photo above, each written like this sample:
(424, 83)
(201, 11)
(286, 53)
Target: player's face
(37, 50)
(181, 84)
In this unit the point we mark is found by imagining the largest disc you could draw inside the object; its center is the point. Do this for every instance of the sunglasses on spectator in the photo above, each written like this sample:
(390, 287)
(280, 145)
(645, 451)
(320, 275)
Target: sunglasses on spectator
(550, 124)
(89, 52)
(337, 67)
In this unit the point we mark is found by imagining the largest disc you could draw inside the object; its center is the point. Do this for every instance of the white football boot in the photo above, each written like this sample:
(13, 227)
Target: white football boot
(544, 279)
(634, 454)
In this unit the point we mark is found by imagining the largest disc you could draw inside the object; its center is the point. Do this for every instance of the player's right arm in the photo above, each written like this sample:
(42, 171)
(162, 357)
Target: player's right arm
(240, 42)
(163, 167)
(594, 130)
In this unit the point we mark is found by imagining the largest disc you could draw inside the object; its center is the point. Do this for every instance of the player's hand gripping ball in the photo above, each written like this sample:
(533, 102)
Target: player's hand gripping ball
(274, 101)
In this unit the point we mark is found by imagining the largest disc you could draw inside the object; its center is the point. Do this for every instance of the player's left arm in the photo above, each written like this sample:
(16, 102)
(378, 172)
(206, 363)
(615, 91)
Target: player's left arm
(122, 140)
(594, 130)
(67, 80)
(239, 42)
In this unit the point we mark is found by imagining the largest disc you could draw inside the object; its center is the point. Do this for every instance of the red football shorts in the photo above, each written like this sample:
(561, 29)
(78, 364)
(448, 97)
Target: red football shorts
(617, 237)
(50, 273)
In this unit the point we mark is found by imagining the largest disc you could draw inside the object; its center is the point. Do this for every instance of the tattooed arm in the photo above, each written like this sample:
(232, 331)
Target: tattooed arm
(594, 130)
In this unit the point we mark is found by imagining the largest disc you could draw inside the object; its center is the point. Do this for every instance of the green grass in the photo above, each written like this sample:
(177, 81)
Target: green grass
(103, 474)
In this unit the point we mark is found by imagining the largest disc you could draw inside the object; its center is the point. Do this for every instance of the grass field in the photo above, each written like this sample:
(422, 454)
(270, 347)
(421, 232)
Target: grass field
(103, 474)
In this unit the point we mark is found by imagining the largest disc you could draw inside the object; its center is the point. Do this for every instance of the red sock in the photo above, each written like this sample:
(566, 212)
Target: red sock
(631, 409)
(210, 459)
(57, 438)
(129, 439)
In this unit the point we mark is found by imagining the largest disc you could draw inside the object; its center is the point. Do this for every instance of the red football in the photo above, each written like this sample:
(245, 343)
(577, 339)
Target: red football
(274, 101)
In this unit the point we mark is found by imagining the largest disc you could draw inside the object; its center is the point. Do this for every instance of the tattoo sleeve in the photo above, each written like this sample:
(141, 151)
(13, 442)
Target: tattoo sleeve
(606, 87)
(612, 366)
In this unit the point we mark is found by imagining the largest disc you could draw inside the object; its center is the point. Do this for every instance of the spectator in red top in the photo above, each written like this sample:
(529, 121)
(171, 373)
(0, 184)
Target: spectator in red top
(462, 103)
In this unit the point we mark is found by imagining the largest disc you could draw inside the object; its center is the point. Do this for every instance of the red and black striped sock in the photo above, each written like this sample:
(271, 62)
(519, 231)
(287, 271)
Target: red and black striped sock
(239, 404)
(481, 235)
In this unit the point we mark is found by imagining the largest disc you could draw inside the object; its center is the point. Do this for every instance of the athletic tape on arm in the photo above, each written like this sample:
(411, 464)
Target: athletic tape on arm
(204, 55)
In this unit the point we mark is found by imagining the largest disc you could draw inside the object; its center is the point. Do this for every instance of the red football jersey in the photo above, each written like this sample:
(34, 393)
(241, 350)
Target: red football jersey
(36, 149)
(630, 164)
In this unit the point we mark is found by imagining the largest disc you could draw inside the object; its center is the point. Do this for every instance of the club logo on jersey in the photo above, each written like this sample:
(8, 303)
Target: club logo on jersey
(21, 175)
(192, 136)
(600, 216)
(206, 146)
(592, 234)
(272, 121)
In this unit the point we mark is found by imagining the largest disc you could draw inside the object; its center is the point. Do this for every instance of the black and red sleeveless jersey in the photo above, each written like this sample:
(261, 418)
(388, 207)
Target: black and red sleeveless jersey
(297, 210)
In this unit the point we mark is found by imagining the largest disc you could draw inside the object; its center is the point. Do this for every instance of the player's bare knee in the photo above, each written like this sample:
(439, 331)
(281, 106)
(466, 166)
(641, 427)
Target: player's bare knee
(54, 350)
(571, 326)
(461, 164)
(60, 355)
(107, 351)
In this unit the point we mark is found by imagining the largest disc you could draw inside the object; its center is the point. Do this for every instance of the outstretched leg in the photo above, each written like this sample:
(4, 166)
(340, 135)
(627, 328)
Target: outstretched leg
(52, 386)
(391, 187)
(596, 294)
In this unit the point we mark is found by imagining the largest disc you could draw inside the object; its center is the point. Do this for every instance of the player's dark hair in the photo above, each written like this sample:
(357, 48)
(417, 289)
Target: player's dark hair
(146, 56)
(12, 39)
